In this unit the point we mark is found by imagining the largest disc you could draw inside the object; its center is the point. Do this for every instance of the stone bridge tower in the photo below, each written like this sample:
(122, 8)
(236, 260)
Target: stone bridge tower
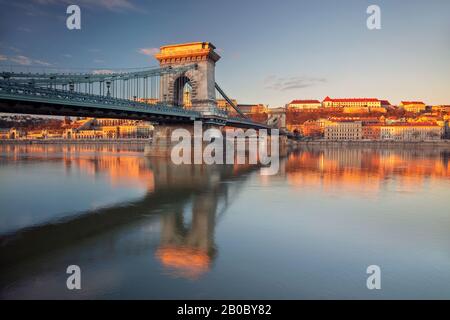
(199, 81)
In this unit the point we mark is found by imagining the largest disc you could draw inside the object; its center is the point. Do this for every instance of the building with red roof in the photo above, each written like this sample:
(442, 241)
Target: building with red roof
(351, 103)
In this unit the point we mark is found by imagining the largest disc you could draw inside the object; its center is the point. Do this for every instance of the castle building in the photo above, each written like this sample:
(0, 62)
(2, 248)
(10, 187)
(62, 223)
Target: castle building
(413, 106)
(224, 105)
(353, 105)
(441, 108)
(252, 108)
(300, 105)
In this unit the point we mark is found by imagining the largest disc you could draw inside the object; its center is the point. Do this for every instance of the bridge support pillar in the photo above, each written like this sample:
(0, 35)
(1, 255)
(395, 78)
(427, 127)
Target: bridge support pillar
(284, 146)
(201, 79)
(162, 144)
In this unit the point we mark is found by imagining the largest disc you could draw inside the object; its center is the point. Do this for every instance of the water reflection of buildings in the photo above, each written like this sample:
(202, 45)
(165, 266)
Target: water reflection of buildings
(186, 200)
(123, 165)
(359, 169)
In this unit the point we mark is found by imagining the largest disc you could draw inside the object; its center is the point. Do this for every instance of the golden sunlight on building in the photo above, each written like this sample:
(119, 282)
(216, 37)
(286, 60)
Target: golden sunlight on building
(343, 130)
(224, 105)
(92, 128)
(359, 103)
(413, 106)
(411, 132)
(300, 105)
(187, 103)
(151, 101)
(253, 108)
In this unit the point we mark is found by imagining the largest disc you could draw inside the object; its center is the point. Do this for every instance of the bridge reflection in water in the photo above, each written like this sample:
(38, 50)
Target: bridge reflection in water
(180, 209)
(188, 199)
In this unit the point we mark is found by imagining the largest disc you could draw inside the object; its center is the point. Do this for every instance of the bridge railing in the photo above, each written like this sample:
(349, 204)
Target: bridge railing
(16, 91)
(145, 85)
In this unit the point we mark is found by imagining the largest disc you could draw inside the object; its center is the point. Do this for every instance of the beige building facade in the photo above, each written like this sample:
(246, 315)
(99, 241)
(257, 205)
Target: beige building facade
(408, 132)
(413, 106)
(299, 105)
(345, 130)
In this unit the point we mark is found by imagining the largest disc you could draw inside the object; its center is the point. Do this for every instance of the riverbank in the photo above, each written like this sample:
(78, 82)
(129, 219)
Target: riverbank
(78, 141)
(331, 143)
(378, 144)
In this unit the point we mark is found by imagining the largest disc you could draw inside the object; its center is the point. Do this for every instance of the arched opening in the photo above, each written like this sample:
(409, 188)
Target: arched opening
(183, 92)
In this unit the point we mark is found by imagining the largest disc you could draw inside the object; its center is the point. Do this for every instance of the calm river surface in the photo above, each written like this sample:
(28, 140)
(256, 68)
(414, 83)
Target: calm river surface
(145, 228)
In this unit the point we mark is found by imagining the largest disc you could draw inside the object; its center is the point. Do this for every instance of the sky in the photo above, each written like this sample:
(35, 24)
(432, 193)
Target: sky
(272, 51)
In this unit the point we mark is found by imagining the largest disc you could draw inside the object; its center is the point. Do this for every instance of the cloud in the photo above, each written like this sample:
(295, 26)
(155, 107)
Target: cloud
(9, 48)
(148, 51)
(290, 83)
(28, 9)
(24, 29)
(42, 63)
(24, 60)
(111, 5)
(102, 71)
(99, 61)
(66, 55)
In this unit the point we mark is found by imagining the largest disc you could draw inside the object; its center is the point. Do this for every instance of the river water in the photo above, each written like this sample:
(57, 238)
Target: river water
(142, 227)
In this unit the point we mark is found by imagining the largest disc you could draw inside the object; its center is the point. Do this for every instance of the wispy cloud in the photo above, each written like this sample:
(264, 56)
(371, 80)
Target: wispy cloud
(67, 55)
(28, 9)
(42, 63)
(24, 60)
(148, 51)
(290, 83)
(111, 5)
(24, 29)
(102, 71)
(9, 48)
(99, 61)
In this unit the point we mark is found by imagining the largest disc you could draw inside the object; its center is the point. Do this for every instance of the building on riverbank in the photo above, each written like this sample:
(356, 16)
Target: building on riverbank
(110, 129)
(405, 131)
(344, 130)
(11, 133)
(86, 128)
(412, 132)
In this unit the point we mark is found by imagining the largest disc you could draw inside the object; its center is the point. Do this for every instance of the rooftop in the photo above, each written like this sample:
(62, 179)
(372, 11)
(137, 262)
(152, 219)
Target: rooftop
(304, 101)
(351, 99)
(412, 102)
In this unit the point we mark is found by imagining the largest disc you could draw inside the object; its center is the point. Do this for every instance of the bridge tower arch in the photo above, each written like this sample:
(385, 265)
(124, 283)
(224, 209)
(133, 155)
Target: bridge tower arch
(197, 83)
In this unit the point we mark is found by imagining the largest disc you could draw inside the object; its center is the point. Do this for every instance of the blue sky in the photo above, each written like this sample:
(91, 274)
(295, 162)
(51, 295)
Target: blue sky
(272, 51)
